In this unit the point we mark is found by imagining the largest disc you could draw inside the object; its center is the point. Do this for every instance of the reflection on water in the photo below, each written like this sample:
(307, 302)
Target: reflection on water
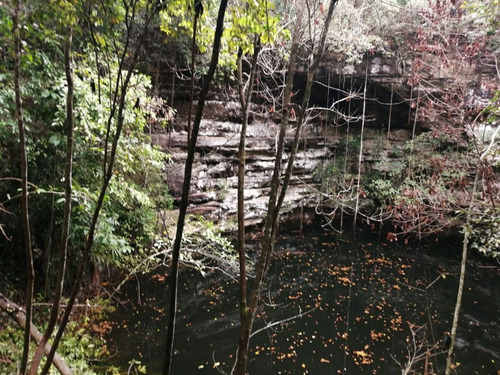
(361, 307)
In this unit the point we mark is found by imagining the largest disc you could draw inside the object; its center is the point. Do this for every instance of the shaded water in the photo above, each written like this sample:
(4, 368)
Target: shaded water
(366, 299)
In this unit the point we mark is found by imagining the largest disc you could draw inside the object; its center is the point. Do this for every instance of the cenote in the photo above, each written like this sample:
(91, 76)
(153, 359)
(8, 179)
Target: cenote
(346, 306)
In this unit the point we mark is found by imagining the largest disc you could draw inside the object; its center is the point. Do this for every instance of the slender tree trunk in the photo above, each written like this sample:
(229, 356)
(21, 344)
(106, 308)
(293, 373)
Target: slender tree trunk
(277, 195)
(92, 230)
(172, 90)
(17, 313)
(346, 156)
(68, 180)
(191, 81)
(47, 252)
(360, 158)
(96, 54)
(411, 164)
(316, 58)
(461, 283)
(248, 314)
(174, 268)
(411, 89)
(121, 89)
(389, 119)
(245, 100)
(30, 272)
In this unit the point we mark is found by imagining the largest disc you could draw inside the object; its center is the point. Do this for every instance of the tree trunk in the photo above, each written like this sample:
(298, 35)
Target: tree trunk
(17, 313)
(85, 256)
(47, 252)
(68, 180)
(191, 81)
(458, 304)
(360, 156)
(245, 99)
(30, 279)
(248, 313)
(121, 88)
(174, 268)
(277, 194)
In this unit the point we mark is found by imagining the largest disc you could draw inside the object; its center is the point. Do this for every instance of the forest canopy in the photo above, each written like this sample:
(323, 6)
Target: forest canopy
(84, 191)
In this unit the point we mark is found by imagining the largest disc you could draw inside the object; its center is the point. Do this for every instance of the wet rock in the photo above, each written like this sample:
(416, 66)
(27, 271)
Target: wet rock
(201, 197)
(389, 124)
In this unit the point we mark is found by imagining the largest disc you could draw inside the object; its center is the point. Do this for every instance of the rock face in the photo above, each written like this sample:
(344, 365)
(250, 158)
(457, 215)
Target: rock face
(214, 178)
(389, 123)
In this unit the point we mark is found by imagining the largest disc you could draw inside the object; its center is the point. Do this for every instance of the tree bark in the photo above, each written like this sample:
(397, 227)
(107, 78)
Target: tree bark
(68, 180)
(191, 81)
(245, 99)
(108, 164)
(461, 283)
(17, 313)
(277, 194)
(248, 314)
(174, 268)
(360, 155)
(47, 252)
(30, 279)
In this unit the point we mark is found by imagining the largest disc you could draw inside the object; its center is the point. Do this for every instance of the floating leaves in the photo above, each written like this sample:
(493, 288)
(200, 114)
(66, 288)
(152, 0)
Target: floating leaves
(362, 357)
(362, 294)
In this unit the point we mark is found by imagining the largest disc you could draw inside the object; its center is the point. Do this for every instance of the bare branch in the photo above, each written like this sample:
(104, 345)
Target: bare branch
(283, 321)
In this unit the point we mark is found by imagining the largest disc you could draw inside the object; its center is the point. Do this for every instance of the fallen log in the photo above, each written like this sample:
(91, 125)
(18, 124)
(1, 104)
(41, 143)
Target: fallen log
(17, 313)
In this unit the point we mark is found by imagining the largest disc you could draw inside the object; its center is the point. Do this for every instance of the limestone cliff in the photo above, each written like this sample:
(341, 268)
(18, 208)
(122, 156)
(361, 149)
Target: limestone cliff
(390, 117)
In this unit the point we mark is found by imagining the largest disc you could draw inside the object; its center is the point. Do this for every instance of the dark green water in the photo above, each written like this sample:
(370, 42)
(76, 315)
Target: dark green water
(367, 298)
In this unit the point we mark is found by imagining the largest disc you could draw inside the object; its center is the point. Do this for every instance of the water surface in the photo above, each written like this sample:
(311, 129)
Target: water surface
(361, 307)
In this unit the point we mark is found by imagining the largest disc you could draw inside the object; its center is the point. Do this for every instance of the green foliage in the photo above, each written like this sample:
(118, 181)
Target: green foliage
(128, 221)
(78, 347)
(11, 347)
(204, 248)
(351, 38)
(177, 21)
(139, 368)
(250, 19)
(333, 174)
(382, 191)
(178, 18)
(245, 20)
(137, 189)
(329, 174)
(352, 143)
(486, 233)
(6, 104)
(484, 15)
(126, 228)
